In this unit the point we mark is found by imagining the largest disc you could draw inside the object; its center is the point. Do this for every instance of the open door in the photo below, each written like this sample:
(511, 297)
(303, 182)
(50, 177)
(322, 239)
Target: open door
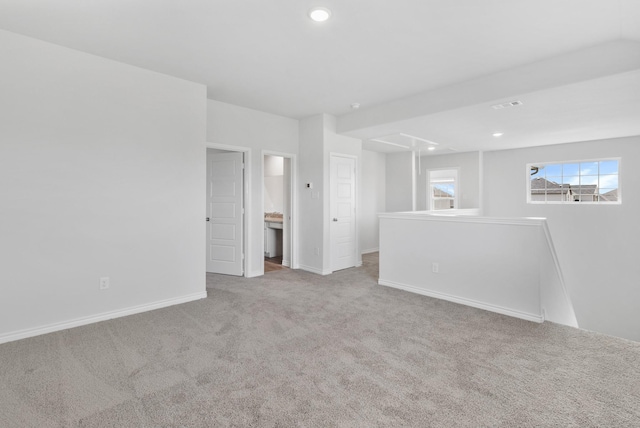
(225, 210)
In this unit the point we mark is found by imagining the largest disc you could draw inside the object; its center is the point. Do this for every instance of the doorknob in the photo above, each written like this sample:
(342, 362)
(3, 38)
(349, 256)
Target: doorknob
(335, 219)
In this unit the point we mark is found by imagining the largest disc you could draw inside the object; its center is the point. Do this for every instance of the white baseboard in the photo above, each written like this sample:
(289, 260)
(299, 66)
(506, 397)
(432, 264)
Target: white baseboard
(50, 328)
(286, 263)
(461, 300)
(371, 250)
(315, 270)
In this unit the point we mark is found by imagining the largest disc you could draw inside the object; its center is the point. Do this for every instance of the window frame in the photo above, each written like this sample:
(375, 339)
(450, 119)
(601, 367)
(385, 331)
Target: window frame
(571, 201)
(456, 183)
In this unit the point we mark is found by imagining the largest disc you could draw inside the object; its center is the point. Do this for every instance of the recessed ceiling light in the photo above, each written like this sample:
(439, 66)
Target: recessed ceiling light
(319, 14)
(498, 134)
(431, 148)
(355, 106)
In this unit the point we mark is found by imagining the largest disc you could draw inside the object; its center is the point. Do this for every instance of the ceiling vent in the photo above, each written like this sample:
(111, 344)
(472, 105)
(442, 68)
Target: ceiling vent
(507, 105)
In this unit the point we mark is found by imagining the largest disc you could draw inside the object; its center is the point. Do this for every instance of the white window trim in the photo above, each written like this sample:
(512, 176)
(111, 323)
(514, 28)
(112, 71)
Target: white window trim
(571, 202)
(456, 202)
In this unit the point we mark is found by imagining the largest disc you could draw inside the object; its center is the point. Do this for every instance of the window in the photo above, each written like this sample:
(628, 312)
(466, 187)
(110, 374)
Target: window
(442, 189)
(594, 181)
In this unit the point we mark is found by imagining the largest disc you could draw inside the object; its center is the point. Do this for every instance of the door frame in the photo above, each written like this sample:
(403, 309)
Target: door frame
(246, 193)
(358, 255)
(293, 223)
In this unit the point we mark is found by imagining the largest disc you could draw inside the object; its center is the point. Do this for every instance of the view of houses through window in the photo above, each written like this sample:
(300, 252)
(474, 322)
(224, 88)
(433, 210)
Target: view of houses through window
(595, 181)
(442, 189)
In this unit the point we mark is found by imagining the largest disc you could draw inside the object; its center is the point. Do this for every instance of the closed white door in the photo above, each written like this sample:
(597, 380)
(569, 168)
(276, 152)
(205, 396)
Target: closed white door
(343, 212)
(225, 211)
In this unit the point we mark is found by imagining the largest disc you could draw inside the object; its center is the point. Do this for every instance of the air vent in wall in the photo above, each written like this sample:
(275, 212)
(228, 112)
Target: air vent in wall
(507, 105)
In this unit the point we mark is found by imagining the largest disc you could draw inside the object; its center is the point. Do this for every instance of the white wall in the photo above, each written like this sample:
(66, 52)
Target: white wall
(274, 194)
(597, 245)
(468, 177)
(103, 174)
(487, 263)
(399, 182)
(373, 199)
(318, 139)
(273, 184)
(311, 199)
(242, 127)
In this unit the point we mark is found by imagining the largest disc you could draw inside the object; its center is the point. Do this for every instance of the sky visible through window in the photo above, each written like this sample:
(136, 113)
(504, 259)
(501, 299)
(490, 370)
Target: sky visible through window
(589, 181)
(445, 190)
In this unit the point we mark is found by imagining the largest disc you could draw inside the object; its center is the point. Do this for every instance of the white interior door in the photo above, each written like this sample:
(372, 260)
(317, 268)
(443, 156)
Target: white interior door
(343, 212)
(225, 211)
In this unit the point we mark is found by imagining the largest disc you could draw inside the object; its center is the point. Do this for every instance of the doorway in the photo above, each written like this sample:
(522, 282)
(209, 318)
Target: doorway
(278, 211)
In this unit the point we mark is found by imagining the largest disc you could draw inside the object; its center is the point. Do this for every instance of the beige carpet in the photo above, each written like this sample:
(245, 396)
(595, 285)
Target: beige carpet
(297, 349)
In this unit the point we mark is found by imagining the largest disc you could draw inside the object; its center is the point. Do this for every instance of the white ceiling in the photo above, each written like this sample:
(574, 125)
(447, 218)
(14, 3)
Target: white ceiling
(590, 94)
(269, 56)
(605, 108)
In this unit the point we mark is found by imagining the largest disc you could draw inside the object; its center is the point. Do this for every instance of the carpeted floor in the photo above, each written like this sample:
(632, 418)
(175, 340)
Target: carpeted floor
(297, 349)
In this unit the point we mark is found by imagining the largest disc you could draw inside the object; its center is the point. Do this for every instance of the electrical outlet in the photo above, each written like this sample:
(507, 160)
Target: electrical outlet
(104, 283)
(316, 251)
(435, 267)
